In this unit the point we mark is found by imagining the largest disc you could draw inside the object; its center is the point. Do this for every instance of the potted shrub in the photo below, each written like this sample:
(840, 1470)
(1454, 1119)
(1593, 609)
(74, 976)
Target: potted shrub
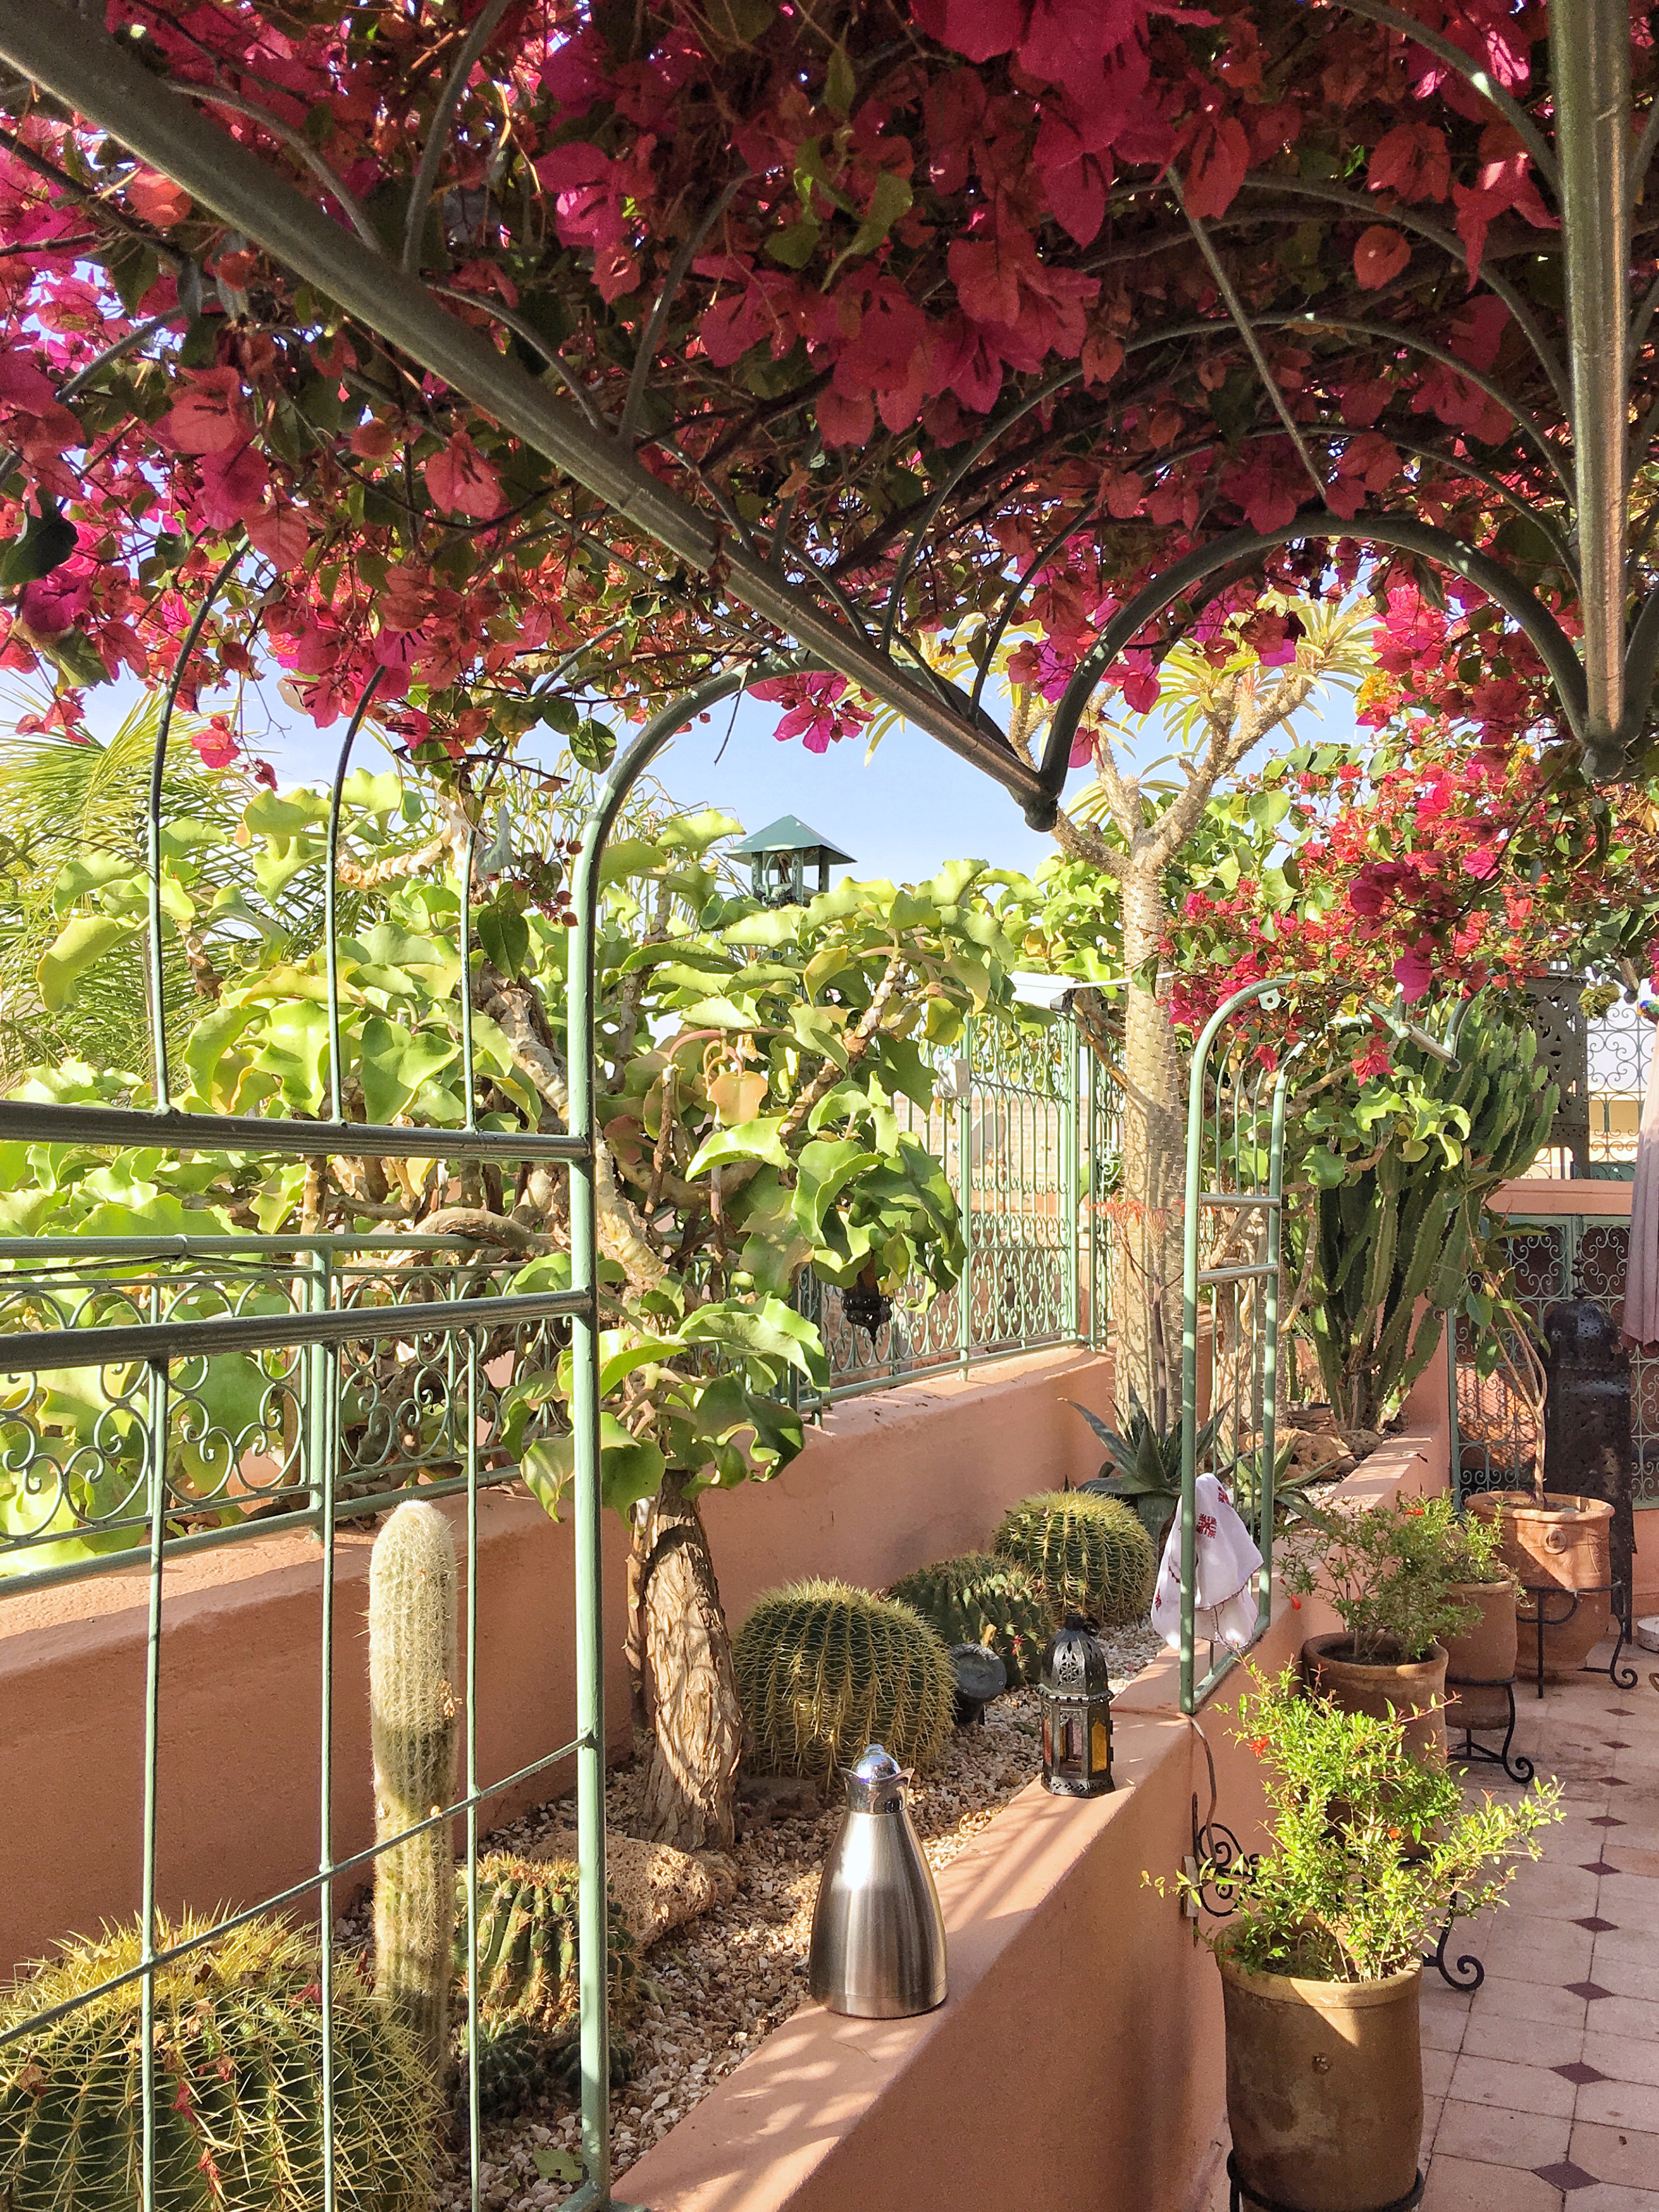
(1549, 1539)
(1483, 1650)
(1370, 1848)
(1389, 1574)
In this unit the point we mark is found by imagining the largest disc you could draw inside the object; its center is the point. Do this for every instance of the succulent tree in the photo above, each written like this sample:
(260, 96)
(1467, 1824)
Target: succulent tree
(757, 1071)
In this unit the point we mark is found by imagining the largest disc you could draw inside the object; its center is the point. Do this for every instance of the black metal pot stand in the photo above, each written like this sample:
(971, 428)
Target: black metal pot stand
(1240, 2194)
(1518, 1769)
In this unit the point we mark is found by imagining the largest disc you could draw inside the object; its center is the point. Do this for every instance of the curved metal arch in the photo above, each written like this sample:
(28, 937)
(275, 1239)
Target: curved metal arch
(1551, 641)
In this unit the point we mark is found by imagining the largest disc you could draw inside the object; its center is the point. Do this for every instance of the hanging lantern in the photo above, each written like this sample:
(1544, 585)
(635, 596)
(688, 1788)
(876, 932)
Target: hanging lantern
(1077, 1713)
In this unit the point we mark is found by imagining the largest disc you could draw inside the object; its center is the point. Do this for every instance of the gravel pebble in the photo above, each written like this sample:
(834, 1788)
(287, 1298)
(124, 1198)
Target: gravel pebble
(724, 1982)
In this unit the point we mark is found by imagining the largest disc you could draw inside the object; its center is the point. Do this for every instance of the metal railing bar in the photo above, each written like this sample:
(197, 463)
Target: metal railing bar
(1241, 1274)
(295, 1891)
(1236, 1198)
(231, 1247)
(214, 1540)
(27, 1352)
(38, 1121)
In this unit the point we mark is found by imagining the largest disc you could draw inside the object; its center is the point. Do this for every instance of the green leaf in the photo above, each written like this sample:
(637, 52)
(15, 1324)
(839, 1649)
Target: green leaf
(74, 950)
(794, 246)
(840, 84)
(394, 1063)
(593, 745)
(629, 1469)
(46, 543)
(750, 1140)
(555, 2165)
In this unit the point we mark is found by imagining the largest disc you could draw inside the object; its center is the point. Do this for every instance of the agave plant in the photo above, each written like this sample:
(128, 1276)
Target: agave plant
(1144, 1464)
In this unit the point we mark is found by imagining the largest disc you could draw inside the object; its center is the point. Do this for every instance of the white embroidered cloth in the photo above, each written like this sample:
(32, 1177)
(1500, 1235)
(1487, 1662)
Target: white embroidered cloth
(1225, 1558)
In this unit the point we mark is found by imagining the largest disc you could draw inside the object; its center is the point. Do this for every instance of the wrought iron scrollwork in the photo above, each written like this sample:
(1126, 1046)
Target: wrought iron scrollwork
(1220, 1869)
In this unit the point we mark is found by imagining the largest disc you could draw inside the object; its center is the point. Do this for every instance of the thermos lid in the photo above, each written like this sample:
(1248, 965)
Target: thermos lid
(876, 1784)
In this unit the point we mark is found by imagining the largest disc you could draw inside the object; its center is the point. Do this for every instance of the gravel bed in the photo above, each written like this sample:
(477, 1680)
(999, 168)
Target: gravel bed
(724, 1982)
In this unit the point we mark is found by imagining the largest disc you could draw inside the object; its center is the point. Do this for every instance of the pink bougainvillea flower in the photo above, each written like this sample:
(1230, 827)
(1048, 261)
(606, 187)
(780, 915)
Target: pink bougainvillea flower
(216, 744)
(280, 533)
(1379, 255)
(462, 481)
(157, 198)
(1414, 969)
(208, 415)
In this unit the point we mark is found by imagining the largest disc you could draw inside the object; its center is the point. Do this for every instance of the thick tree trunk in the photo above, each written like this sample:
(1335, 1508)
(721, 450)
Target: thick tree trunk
(691, 1694)
(1148, 1275)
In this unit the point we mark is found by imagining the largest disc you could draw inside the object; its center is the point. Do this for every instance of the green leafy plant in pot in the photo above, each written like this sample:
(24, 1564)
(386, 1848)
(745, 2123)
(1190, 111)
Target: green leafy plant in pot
(1480, 1656)
(1390, 1574)
(1371, 1848)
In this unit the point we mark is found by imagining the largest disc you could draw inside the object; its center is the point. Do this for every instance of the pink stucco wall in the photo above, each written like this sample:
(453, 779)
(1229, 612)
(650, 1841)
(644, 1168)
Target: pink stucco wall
(888, 1483)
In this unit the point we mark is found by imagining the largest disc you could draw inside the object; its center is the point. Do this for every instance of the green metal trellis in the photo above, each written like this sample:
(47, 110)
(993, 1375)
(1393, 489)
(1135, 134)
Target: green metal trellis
(1605, 697)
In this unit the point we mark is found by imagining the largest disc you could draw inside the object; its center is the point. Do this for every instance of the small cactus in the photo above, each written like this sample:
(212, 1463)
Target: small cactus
(236, 2083)
(978, 1598)
(414, 1726)
(520, 2064)
(528, 1943)
(824, 1669)
(1089, 1555)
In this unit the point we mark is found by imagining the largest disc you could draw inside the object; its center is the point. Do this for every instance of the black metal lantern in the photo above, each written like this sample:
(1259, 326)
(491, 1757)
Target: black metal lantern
(780, 856)
(1076, 1695)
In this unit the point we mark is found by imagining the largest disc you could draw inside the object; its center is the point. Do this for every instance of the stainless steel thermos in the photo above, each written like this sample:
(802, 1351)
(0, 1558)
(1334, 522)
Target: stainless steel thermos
(878, 1934)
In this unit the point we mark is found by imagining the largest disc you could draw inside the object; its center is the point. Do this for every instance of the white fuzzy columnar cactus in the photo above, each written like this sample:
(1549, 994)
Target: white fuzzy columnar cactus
(414, 1707)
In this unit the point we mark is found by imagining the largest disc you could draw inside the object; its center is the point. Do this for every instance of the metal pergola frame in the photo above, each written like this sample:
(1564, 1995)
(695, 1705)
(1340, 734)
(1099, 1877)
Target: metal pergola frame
(1604, 695)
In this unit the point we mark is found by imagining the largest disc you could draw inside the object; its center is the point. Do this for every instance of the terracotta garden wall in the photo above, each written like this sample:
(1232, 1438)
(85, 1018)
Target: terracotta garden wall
(890, 1482)
(1076, 2063)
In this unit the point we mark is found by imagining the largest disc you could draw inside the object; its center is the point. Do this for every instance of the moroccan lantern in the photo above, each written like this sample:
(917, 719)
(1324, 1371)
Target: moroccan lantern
(1076, 1697)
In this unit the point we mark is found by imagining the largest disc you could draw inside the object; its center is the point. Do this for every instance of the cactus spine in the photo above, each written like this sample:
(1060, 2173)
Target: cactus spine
(237, 2083)
(977, 1598)
(414, 1726)
(527, 1943)
(824, 1669)
(1090, 1555)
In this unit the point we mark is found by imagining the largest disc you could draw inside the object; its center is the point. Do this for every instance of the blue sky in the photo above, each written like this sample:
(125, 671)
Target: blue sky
(911, 807)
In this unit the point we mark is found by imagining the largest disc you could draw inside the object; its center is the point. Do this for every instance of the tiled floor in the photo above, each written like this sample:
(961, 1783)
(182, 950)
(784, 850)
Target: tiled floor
(1541, 2090)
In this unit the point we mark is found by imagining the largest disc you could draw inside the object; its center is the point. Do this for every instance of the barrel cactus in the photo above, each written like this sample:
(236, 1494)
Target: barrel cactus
(414, 1714)
(236, 2087)
(527, 1943)
(977, 1598)
(521, 2064)
(824, 1669)
(1090, 1555)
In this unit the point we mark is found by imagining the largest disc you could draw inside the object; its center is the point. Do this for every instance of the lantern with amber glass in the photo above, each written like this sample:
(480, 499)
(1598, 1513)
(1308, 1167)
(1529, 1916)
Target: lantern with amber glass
(1077, 1713)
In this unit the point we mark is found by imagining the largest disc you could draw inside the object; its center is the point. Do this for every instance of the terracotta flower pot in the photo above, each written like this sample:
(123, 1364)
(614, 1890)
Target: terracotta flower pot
(1415, 1687)
(1561, 1545)
(1484, 1652)
(1324, 2088)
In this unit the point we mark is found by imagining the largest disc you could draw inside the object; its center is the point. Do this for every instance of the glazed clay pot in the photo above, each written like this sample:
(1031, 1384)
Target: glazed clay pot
(1416, 1686)
(1484, 1652)
(1324, 2088)
(1563, 1544)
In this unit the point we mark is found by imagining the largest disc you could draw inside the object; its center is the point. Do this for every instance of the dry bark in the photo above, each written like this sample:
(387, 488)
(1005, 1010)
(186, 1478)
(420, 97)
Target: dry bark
(689, 1795)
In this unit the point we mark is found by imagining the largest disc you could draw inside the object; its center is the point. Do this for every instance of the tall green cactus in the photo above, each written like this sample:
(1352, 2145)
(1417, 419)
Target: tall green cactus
(977, 1598)
(414, 1707)
(824, 1669)
(1088, 1554)
(236, 2097)
(1395, 1237)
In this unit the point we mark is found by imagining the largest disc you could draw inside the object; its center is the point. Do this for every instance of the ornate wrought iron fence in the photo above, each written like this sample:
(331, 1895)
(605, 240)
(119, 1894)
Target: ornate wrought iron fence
(1494, 1437)
(1006, 1125)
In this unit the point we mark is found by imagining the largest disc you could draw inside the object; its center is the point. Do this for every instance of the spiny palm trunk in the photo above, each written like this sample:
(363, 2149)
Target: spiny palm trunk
(689, 1688)
(1148, 1274)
